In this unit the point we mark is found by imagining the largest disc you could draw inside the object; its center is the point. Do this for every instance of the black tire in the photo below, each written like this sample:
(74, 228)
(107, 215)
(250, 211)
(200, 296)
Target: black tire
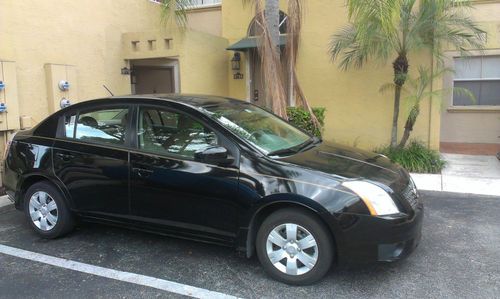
(315, 227)
(65, 220)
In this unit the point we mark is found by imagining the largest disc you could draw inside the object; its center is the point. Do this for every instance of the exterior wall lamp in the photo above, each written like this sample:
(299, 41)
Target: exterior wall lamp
(125, 71)
(236, 66)
(235, 62)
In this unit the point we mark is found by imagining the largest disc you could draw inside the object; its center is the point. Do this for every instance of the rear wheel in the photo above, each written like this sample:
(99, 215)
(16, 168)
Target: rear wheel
(46, 211)
(294, 247)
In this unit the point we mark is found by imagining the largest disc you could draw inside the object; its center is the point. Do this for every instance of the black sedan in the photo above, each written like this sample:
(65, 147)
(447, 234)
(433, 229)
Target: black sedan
(214, 170)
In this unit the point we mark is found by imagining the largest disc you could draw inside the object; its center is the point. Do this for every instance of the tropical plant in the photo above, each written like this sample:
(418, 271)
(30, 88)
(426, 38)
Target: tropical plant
(420, 88)
(380, 30)
(301, 118)
(416, 157)
(267, 15)
(176, 10)
(267, 12)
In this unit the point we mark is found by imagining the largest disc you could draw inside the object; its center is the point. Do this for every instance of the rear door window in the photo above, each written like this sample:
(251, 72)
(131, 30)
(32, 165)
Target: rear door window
(106, 126)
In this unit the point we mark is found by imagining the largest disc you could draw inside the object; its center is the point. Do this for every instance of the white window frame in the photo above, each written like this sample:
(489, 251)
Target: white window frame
(475, 79)
(203, 4)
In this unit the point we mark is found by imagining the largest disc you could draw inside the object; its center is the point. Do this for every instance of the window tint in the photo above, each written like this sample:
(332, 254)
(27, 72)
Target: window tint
(166, 132)
(102, 126)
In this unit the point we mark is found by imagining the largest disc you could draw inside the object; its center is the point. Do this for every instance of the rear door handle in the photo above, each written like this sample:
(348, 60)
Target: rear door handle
(141, 172)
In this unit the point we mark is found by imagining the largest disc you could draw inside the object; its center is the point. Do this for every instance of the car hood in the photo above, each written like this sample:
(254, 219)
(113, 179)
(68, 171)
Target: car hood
(346, 162)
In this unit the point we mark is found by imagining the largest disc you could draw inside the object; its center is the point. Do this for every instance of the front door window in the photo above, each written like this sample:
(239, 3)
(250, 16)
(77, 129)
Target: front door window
(168, 132)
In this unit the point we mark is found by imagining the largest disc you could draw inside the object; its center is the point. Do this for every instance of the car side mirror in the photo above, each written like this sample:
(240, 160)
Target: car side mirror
(217, 155)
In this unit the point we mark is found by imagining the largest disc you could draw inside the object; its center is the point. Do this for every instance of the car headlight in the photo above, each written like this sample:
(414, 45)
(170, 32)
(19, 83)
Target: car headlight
(378, 201)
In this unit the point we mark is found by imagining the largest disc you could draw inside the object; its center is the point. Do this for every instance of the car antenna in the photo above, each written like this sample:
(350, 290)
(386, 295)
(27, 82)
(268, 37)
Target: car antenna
(108, 90)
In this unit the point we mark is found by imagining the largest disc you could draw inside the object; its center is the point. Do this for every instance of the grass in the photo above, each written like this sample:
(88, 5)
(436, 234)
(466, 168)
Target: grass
(415, 157)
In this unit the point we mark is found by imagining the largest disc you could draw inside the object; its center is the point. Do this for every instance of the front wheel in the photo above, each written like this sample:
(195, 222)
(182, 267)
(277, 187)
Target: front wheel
(46, 211)
(294, 247)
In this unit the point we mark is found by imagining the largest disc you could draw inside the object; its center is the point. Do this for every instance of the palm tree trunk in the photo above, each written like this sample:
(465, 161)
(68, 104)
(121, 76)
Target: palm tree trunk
(400, 66)
(395, 117)
(410, 123)
(406, 133)
(272, 15)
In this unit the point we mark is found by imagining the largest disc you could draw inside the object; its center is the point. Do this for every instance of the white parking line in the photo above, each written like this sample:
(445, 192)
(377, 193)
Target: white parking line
(161, 284)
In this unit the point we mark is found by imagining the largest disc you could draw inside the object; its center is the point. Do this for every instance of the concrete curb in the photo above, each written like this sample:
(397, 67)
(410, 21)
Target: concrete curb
(5, 203)
(457, 184)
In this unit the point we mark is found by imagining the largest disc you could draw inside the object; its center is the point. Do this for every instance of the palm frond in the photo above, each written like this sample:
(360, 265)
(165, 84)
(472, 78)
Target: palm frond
(175, 10)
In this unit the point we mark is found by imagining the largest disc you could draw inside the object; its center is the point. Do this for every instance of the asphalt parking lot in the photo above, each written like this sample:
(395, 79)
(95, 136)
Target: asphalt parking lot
(459, 256)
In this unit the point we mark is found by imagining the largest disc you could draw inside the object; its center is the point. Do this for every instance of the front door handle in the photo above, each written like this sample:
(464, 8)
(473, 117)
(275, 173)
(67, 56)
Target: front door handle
(141, 172)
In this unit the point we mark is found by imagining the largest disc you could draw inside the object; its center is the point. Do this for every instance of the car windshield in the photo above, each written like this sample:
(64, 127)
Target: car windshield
(264, 130)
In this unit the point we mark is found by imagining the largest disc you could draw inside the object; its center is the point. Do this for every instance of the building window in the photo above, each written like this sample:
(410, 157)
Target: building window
(481, 76)
(256, 29)
(198, 3)
(205, 2)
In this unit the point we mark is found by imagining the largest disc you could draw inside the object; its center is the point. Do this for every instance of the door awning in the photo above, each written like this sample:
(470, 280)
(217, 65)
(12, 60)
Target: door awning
(251, 43)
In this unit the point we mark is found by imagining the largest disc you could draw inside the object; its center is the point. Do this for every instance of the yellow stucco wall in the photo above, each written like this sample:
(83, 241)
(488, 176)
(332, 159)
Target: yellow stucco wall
(206, 19)
(357, 113)
(86, 34)
(93, 37)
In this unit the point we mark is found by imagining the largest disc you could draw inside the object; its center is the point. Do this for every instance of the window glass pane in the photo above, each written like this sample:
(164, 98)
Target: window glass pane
(468, 68)
(103, 126)
(491, 67)
(462, 99)
(173, 133)
(490, 93)
(69, 125)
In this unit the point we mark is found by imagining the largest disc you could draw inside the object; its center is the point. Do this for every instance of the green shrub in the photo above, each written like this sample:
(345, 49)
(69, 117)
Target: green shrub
(415, 157)
(301, 118)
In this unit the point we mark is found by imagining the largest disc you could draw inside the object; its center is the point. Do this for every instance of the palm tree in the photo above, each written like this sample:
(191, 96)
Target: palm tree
(267, 16)
(383, 29)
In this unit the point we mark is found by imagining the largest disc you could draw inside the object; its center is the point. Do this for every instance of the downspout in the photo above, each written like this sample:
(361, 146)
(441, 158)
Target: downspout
(430, 98)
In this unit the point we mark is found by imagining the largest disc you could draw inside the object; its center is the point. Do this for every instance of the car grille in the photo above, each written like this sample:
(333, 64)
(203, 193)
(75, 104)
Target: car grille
(410, 194)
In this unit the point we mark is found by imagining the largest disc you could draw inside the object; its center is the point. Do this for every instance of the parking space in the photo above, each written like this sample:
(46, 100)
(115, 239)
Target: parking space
(458, 256)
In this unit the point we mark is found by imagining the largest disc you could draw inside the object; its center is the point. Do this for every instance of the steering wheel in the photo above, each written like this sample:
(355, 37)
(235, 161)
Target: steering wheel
(255, 135)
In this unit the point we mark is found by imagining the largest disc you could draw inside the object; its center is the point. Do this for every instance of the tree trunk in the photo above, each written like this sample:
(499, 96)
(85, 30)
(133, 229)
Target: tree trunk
(410, 123)
(400, 66)
(272, 16)
(395, 117)
(406, 133)
(271, 60)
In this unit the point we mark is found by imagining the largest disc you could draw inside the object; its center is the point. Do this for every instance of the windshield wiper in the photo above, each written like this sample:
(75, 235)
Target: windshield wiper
(285, 151)
(297, 148)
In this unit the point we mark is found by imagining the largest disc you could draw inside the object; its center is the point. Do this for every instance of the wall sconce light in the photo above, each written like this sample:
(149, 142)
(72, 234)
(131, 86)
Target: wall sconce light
(235, 62)
(63, 85)
(125, 71)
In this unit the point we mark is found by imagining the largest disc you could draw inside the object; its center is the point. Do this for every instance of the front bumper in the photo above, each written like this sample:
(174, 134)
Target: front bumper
(362, 239)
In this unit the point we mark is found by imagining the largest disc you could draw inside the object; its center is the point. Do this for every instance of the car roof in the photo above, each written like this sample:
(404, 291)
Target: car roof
(193, 100)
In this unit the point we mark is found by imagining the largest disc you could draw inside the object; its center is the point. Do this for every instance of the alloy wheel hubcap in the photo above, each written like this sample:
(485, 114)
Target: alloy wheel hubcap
(43, 210)
(292, 249)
